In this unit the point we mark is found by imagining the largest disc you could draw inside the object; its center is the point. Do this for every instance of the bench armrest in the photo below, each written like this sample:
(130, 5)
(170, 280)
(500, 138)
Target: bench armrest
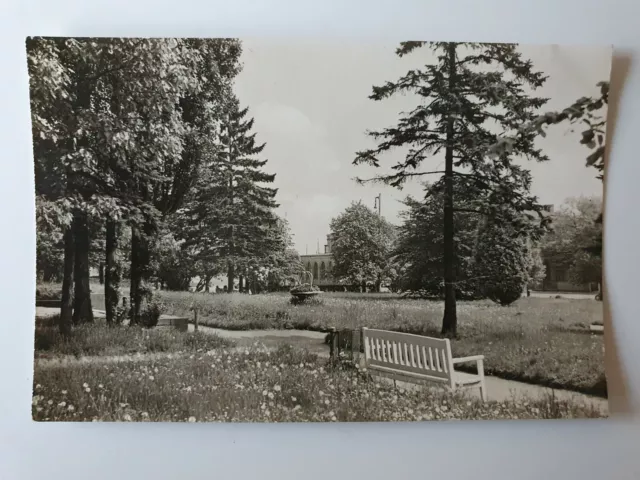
(473, 358)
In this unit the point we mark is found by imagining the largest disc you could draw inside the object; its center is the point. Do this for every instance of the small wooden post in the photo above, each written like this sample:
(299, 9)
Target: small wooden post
(195, 319)
(332, 343)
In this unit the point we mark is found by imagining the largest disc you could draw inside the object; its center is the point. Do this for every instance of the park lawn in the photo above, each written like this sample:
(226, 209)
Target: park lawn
(100, 340)
(539, 340)
(253, 385)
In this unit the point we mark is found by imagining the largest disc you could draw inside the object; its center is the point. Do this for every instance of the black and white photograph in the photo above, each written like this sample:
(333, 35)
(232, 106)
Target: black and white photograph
(317, 230)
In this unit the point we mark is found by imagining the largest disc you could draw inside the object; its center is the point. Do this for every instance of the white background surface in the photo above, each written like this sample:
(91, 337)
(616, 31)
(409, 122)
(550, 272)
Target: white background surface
(479, 450)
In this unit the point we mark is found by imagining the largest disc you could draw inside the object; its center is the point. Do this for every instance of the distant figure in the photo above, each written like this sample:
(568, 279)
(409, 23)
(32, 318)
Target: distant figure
(528, 292)
(225, 289)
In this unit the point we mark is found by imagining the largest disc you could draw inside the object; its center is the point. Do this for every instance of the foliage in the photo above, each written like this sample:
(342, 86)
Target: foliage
(468, 97)
(539, 340)
(48, 291)
(229, 221)
(255, 385)
(121, 129)
(536, 270)
(418, 253)
(588, 110)
(361, 246)
(501, 263)
(575, 241)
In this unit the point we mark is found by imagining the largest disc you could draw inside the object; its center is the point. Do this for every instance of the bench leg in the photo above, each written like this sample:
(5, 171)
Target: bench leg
(483, 392)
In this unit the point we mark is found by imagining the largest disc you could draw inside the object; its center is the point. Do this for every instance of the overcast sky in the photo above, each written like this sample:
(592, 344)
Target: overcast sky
(311, 107)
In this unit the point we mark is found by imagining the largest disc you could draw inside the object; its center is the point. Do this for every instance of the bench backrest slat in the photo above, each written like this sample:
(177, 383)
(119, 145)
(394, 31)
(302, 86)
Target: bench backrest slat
(406, 352)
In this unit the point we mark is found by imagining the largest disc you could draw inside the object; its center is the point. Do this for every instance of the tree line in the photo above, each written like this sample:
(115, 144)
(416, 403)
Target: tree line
(145, 165)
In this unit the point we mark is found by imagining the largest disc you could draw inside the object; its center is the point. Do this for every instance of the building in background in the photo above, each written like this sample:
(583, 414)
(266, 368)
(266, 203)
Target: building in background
(320, 265)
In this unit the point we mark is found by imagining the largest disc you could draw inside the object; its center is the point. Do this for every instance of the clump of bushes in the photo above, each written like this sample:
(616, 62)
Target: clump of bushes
(48, 291)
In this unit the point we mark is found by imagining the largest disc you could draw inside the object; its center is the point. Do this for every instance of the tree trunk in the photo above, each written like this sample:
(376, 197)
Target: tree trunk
(134, 275)
(241, 283)
(207, 280)
(66, 308)
(111, 275)
(450, 318)
(82, 311)
(230, 276)
(140, 259)
(101, 273)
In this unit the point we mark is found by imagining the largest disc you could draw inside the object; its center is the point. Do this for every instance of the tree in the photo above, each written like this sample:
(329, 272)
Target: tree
(362, 245)
(575, 241)
(120, 128)
(230, 216)
(468, 96)
(419, 250)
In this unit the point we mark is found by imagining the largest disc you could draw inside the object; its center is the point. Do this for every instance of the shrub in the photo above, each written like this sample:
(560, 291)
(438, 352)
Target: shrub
(48, 291)
(504, 293)
(154, 308)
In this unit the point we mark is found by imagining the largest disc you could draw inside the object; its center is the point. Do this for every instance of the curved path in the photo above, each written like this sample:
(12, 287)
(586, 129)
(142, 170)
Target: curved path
(498, 389)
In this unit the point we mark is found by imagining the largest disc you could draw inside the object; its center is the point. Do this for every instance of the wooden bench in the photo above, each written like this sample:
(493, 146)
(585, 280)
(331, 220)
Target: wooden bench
(417, 359)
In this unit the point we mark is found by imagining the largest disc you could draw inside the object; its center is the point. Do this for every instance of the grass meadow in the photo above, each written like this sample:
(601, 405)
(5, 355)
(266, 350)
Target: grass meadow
(254, 385)
(538, 340)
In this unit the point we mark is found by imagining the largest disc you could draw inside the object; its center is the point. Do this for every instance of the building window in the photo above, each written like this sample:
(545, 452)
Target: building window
(315, 270)
(323, 271)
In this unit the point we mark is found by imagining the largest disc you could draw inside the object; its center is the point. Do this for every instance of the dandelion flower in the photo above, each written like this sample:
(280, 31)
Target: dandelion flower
(192, 419)
(151, 377)
(264, 393)
(293, 399)
(326, 402)
(270, 395)
(38, 386)
(85, 385)
(71, 408)
(64, 392)
(50, 402)
(277, 388)
(62, 404)
(87, 389)
(127, 417)
(144, 415)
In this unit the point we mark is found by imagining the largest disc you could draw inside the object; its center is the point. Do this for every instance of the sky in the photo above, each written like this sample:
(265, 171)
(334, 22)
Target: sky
(309, 99)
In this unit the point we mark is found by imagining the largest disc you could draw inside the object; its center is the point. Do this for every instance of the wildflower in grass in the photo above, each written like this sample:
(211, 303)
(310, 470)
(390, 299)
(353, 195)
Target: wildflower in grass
(294, 399)
(192, 419)
(270, 395)
(71, 408)
(277, 388)
(38, 386)
(144, 415)
(152, 378)
(50, 402)
(264, 393)
(62, 404)
(127, 417)
(64, 392)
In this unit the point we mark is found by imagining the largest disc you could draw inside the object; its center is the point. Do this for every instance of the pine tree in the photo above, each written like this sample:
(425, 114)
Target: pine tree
(468, 96)
(230, 215)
